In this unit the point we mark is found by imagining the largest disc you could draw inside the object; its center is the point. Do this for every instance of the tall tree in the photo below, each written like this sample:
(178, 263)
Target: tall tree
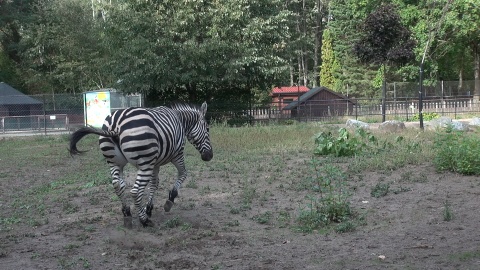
(184, 49)
(329, 64)
(352, 78)
(63, 46)
(385, 41)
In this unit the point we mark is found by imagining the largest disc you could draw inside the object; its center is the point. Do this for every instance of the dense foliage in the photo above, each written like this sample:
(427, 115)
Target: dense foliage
(228, 50)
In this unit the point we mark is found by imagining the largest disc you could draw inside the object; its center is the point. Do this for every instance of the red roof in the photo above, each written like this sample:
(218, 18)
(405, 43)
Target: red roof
(289, 89)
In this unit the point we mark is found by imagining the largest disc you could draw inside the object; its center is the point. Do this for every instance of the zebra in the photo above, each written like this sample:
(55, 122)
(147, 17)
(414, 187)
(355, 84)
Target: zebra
(148, 138)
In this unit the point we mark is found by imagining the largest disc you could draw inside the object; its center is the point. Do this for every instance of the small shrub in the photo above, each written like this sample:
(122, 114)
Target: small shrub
(447, 212)
(172, 223)
(263, 218)
(380, 190)
(345, 144)
(347, 226)
(427, 116)
(457, 151)
(331, 202)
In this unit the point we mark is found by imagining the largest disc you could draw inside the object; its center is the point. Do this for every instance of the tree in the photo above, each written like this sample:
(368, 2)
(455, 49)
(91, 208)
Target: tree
(463, 30)
(385, 41)
(183, 49)
(352, 78)
(63, 50)
(329, 64)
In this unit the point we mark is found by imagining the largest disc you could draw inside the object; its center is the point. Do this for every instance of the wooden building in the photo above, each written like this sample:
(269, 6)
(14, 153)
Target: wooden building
(284, 95)
(321, 102)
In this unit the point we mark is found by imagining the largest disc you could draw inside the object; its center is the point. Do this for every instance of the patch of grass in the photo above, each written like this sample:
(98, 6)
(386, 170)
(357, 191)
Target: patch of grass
(283, 219)
(457, 151)
(263, 218)
(380, 190)
(248, 193)
(447, 211)
(191, 184)
(330, 201)
(233, 223)
(172, 223)
(465, 256)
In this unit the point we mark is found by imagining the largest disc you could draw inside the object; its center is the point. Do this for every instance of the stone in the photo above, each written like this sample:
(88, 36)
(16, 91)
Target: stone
(392, 126)
(474, 122)
(444, 122)
(352, 123)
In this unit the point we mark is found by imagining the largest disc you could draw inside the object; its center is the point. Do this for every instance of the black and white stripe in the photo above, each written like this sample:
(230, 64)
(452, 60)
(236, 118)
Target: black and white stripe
(148, 139)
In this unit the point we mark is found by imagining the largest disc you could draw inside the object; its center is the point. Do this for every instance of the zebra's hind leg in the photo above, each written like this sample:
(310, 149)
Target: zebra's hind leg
(119, 185)
(153, 188)
(144, 176)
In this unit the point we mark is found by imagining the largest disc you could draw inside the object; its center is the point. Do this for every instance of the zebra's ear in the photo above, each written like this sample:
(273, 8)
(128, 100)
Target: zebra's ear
(203, 109)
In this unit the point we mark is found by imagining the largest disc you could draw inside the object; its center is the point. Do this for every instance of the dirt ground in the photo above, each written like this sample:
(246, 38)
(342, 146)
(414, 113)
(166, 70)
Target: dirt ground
(403, 230)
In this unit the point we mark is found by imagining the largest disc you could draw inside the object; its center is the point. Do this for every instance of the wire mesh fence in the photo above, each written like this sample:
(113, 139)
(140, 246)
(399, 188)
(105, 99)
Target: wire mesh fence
(51, 113)
(47, 114)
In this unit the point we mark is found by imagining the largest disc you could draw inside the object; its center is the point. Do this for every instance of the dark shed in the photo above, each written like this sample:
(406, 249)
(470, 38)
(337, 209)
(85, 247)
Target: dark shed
(321, 102)
(15, 103)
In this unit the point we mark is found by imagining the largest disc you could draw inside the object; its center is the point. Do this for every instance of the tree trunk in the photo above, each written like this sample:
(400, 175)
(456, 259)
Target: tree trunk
(476, 69)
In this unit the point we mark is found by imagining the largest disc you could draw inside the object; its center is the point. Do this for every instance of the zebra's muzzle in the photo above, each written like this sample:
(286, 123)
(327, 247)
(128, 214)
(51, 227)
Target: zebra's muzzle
(207, 155)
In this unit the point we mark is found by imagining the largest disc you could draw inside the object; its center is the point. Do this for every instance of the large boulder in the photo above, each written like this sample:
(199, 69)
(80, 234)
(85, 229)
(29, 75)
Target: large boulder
(352, 123)
(392, 126)
(444, 122)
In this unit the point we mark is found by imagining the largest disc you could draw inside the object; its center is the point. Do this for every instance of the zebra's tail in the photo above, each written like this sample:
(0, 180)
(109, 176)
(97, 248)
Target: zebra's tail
(84, 131)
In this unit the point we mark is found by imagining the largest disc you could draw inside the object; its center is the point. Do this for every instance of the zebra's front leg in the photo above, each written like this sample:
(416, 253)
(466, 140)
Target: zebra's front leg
(182, 175)
(138, 190)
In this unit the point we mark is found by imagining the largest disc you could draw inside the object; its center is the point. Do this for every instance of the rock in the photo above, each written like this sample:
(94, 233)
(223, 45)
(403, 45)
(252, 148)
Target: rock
(392, 126)
(457, 125)
(444, 122)
(352, 123)
(474, 122)
(441, 122)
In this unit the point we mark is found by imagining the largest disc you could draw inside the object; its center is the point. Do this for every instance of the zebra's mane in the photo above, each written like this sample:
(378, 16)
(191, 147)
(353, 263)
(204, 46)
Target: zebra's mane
(184, 106)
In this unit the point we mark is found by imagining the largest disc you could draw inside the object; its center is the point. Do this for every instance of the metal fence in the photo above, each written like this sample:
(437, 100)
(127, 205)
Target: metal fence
(49, 114)
(403, 109)
(52, 113)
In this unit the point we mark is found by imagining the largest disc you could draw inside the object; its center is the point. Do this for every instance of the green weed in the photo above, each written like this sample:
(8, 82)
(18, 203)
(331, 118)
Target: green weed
(380, 190)
(447, 211)
(457, 151)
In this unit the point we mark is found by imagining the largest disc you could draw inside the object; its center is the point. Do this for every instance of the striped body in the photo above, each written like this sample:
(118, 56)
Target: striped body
(148, 139)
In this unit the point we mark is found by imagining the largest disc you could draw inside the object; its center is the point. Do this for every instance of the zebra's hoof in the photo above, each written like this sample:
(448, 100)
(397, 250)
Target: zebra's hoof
(168, 205)
(148, 210)
(147, 223)
(127, 222)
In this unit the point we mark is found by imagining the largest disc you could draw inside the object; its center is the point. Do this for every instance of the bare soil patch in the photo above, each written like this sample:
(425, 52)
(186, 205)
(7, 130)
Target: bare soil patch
(208, 228)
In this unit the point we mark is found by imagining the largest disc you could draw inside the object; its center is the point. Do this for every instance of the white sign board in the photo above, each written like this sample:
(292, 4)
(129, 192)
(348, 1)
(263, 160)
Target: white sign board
(97, 107)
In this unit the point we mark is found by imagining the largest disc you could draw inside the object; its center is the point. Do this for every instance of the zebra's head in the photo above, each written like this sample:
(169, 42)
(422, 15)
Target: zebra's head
(199, 135)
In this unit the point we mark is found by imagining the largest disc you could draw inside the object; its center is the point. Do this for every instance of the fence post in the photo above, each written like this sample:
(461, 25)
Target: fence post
(455, 109)
(406, 106)
(44, 116)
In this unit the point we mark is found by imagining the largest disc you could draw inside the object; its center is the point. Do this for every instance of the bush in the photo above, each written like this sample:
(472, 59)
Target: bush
(457, 151)
(345, 144)
(426, 116)
(330, 204)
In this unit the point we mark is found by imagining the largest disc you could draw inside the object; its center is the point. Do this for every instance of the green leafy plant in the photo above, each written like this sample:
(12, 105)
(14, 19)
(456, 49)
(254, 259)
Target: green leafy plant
(330, 204)
(457, 151)
(427, 116)
(263, 218)
(345, 144)
(447, 211)
(380, 190)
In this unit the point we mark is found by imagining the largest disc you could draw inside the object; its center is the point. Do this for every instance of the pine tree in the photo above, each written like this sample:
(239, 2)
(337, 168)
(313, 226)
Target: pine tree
(329, 64)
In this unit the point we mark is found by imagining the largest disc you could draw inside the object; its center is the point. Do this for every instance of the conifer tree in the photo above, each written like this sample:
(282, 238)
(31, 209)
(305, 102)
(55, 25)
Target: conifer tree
(329, 64)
